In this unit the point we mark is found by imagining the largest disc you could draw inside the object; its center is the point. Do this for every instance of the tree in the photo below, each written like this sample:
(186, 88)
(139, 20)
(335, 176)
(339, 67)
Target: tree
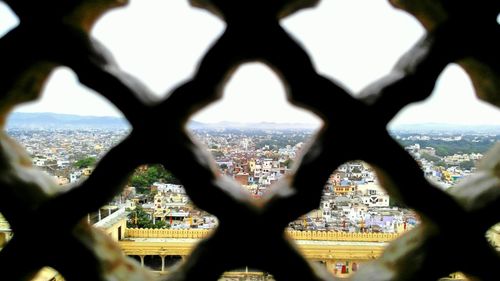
(139, 182)
(441, 164)
(85, 162)
(144, 178)
(430, 158)
(217, 154)
(356, 170)
(467, 165)
(288, 163)
(161, 224)
(139, 218)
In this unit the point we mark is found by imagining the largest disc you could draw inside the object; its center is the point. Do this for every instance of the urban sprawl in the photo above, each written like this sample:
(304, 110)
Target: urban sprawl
(353, 201)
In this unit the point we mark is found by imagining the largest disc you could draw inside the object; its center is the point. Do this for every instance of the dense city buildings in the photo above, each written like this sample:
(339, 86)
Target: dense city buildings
(353, 201)
(67, 154)
(355, 214)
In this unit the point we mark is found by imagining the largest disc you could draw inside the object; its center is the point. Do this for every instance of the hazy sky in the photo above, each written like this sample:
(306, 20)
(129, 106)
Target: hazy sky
(161, 42)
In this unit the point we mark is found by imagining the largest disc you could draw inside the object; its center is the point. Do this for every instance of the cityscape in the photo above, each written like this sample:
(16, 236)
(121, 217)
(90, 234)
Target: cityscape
(352, 202)
(256, 82)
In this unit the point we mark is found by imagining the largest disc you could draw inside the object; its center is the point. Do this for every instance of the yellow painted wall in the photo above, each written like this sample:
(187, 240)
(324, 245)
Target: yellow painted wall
(114, 229)
(296, 235)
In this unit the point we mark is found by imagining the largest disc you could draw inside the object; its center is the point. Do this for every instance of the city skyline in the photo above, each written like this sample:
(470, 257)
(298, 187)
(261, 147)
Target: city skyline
(165, 57)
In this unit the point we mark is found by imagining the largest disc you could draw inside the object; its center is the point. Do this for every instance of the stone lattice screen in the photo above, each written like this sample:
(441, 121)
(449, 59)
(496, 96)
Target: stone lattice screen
(48, 226)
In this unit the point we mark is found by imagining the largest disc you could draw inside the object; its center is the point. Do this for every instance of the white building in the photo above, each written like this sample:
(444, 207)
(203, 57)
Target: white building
(167, 187)
(376, 200)
(62, 163)
(75, 176)
(40, 162)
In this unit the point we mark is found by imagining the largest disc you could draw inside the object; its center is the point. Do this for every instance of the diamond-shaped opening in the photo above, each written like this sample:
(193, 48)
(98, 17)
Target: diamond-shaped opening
(355, 215)
(355, 202)
(351, 44)
(67, 132)
(161, 41)
(449, 133)
(160, 202)
(9, 19)
(254, 134)
(160, 58)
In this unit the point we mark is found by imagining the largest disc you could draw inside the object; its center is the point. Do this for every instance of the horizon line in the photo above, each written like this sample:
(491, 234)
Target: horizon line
(447, 123)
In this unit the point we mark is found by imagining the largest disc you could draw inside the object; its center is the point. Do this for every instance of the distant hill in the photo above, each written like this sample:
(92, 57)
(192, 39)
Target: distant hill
(410, 128)
(68, 121)
(24, 120)
(445, 128)
(44, 120)
(252, 126)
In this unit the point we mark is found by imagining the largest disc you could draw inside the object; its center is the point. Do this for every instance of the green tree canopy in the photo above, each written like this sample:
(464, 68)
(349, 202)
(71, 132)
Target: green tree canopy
(139, 218)
(467, 165)
(85, 162)
(144, 178)
(429, 157)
